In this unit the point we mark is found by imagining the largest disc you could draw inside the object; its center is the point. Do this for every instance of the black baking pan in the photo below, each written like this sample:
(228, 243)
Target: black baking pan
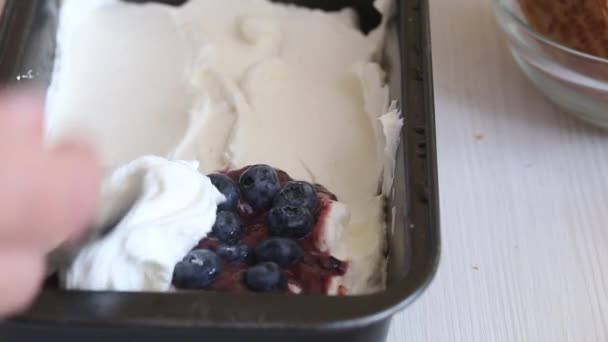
(27, 31)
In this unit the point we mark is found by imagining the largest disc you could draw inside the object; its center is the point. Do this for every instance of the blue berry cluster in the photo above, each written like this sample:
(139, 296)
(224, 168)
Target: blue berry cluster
(290, 216)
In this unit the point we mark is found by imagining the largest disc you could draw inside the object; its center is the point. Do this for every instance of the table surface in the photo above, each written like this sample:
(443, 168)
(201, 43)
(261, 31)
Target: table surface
(523, 193)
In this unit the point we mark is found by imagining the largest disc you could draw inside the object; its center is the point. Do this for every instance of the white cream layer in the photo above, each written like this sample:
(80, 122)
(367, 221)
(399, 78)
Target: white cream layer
(237, 82)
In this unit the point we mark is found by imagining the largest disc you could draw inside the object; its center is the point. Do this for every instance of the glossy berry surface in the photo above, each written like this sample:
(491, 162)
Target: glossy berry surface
(259, 186)
(228, 188)
(283, 252)
(265, 277)
(290, 222)
(228, 227)
(236, 253)
(198, 270)
(298, 194)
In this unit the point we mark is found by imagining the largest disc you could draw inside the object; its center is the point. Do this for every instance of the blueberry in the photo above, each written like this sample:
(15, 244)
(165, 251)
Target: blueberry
(265, 277)
(298, 194)
(228, 188)
(236, 253)
(228, 227)
(259, 185)
(284, 252)
(290, 222)
(198, 270)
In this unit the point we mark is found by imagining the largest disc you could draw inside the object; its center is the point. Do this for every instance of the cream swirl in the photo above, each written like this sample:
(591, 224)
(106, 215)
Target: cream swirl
(175, 208)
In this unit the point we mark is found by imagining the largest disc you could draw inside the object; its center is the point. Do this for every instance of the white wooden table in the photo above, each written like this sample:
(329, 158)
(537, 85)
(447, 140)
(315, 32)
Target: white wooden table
(524, 200)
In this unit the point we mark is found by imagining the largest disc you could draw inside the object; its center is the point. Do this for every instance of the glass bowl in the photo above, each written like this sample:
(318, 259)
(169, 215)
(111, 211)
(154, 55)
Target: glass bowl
(575, 81)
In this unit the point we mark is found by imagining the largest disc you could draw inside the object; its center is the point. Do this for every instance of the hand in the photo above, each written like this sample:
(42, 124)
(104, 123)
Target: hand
(47, 196)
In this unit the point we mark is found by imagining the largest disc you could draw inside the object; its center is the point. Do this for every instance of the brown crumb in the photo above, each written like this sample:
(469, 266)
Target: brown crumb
(479, 136)
(578, 24)
(475, 268)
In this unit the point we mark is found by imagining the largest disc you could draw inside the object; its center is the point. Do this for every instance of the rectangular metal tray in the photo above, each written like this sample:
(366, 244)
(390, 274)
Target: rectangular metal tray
(27, 43)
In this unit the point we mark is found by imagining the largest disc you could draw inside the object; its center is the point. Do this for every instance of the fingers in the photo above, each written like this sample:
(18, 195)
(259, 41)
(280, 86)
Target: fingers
(46, 195)
(77, 175)
(22, 111)
(23, 274)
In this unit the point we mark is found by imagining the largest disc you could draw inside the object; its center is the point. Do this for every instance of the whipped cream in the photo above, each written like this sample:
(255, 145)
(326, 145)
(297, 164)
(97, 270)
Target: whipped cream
(236, 82)
(175, 207)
